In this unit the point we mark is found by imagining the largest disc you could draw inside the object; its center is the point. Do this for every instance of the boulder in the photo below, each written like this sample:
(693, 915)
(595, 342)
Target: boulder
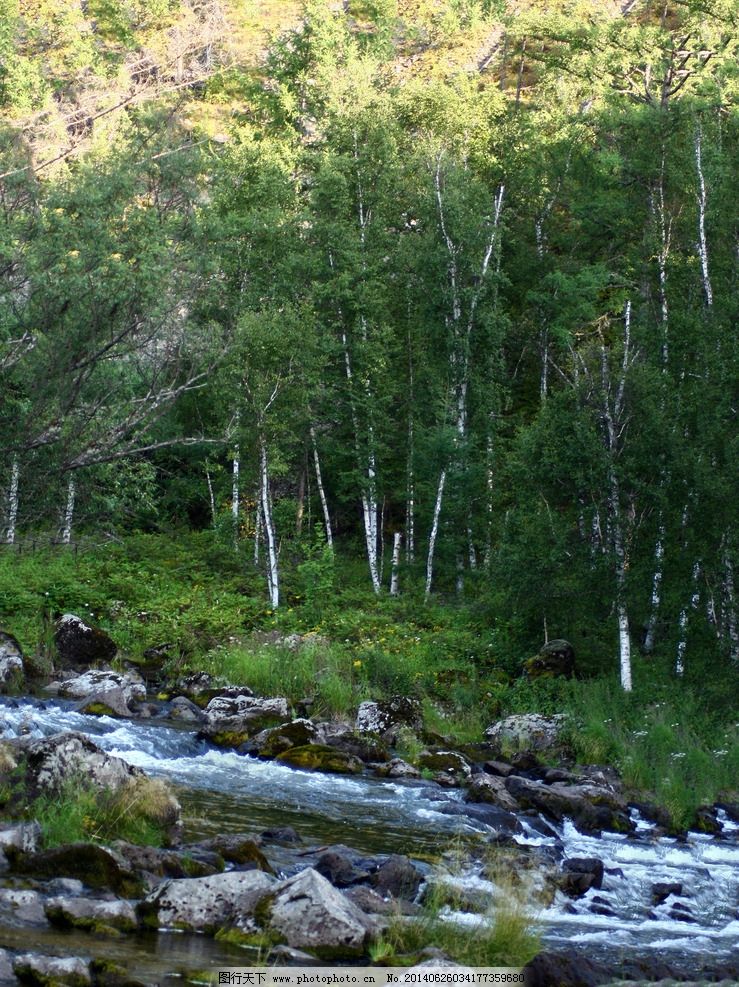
(153, 864)
(499, 768)
(231, 719)
(318, 757)
(580, 874)
(342, 867)
(92, 915)
(445, 762)
(95, 866)
(77, 643)
(492, 791)
(526, 732)
(366, 747)
(388, 717)
(105, 693)
(52, 762)
(184, 709)
(276, 740)
(663, 889)
(375, 904)
(237, 848)
(20, 907)
(52, 971)
(397, 768)
(11, 662)
(398, 877)
(308, 913)
(591, 808)
(206, 904)
(556, 659)
(21, 838)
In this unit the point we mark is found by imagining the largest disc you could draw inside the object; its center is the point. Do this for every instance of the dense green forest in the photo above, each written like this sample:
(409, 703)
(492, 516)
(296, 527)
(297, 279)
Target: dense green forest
(403, 298)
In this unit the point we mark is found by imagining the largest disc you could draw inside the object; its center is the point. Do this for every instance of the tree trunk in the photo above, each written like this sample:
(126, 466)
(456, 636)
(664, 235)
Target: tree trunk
(257, 528)
(682, 643)
(702, 199)
(659, 554)
(235, 493)
(66, 537)
(394, 578)
(434, 533)
(211, 497)
(12, 502)
(301, 504)
(321, 490)
(273, 575)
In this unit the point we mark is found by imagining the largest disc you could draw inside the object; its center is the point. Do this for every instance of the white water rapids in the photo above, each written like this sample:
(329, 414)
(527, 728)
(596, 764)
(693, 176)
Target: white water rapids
(239, 793)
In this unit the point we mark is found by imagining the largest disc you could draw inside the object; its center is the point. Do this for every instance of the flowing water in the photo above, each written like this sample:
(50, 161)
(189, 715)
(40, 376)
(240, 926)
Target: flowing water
(222, 792)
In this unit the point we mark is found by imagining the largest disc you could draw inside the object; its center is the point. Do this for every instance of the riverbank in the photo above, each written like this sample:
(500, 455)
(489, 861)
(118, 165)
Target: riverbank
(194, 605)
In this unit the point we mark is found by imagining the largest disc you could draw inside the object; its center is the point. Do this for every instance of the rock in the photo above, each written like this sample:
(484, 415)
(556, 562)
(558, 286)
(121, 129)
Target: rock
(308, 913)
(95, 866)
(373, 903)
(53, 761)
(550, 969)
(6, 968)
(77, 643)
(556, 659)
(106, 693)
(318, 757)
(499, 768)
(52, 971)
(11, 662)
(397, 877)
(366, 747)
(205, 904)
(238, 849)
(21, 838)
(342, 867)
(397, 768)
(526, 732)
(491, 790)
(199, 687)
(19, 908)
(663, 889)
(593, 866)
(282, 836)
(591, 808)
(276, 740)
(153, 863)
(184, 709)
(388, 717)
(446, 762)
(92, 915)
(231, 719)
(706, 820)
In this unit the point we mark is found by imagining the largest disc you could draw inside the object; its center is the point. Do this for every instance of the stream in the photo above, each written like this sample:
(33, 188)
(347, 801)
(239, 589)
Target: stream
(222, 792)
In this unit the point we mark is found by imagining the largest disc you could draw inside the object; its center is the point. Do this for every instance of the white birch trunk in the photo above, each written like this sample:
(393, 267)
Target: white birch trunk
(273, 575)
(394, 573)
(659, 555)
(12, 502)
(257, 527)
(729, 607)
(235, 492)
(211, 497)
(69, 512)
(321, 490)
(702, 201)
(434, 533)
(682, 643)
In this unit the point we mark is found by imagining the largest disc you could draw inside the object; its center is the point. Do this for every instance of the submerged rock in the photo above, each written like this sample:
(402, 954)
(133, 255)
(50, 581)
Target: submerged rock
(318, 757)
(77, 643)
(492, 791)
(95, 866)
(52, 971)
(590, 808)
(445, 762)
(398, 877)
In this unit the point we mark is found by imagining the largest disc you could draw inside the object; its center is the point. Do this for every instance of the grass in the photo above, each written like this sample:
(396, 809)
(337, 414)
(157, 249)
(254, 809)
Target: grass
(138, 812)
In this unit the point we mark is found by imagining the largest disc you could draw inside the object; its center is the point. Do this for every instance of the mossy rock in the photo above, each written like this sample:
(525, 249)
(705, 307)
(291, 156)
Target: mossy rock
(318, 757)
(298, 733)
(88, 862)
(448, 761)
(228, 738)
(556, 659)
(97, 708)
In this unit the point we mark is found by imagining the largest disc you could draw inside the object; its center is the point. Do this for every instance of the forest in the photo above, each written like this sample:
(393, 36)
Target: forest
(408, 324)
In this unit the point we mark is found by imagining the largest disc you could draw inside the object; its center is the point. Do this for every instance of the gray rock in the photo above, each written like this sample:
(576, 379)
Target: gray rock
(375, 904)
(526, 732)
(32, 968)
(6, 968)
(88, 913)
(591, 808)
(184, 709)
(206, 904)
(491, 790)
(386, 718)
(276, 740)
(53, 761)
(107, 692)
(308, 913)
(398, 877)
(77, 643)
(447, 762)
(11, 662)
(21, 907)
(21, 838)
(231, 720)
(398, 768)
(95, 866)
